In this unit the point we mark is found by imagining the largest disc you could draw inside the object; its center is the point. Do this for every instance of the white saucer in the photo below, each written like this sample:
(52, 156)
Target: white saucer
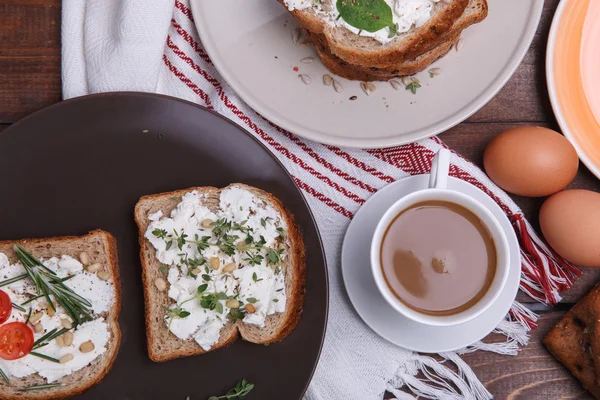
(379, 315)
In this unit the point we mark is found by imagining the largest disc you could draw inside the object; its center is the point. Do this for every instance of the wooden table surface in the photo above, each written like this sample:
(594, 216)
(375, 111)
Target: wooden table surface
(30, 80)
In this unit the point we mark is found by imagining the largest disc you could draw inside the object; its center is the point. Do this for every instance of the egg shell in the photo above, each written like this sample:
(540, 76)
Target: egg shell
(531, 161)
(570, 221)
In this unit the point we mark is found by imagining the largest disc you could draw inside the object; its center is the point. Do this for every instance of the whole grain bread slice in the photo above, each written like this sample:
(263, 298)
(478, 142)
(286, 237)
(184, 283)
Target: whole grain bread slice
(101, 247)
(164, 345)
(573, 341)
(357, 72)
(448, 20)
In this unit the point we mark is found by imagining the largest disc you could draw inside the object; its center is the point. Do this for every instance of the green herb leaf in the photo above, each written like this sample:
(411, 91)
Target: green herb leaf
(254, 277)
(413, 86)
(164, 270)
(222, 296)
(206, 277)
(160, 233)
(368, 15)
(219, 307)
(202, 288)
(251, 300)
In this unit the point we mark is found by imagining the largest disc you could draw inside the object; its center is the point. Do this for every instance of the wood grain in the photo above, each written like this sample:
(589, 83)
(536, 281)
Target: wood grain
(30, 80)
(532, 375)
(29, 57)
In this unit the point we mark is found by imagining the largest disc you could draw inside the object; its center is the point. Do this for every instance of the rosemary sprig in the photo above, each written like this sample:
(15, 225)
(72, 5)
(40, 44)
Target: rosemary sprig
(28, 316)
(46, 386)
(45, 357)
(4, 377)
(43, 341)
(32, 299)
(13, 280)
(47, 283)
(18, 307)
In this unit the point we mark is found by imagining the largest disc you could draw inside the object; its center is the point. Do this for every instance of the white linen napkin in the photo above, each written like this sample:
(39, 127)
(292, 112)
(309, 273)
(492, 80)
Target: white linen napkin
(152, 46)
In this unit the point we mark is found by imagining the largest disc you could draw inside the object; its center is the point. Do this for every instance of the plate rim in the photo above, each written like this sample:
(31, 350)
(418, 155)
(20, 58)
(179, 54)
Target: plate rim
(552, 91)
(80, 99)
(385, 336)
(365, 143)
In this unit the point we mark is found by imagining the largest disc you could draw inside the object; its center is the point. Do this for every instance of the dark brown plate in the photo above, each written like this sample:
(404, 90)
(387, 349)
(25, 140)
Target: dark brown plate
(83, 164)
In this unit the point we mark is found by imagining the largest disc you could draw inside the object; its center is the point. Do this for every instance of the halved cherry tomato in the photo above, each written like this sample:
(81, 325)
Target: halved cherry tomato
(5, 307)
(16, 340)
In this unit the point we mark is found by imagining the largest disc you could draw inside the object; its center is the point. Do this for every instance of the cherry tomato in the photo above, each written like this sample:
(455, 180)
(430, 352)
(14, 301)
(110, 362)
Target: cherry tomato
(16, 340)
(5, 307)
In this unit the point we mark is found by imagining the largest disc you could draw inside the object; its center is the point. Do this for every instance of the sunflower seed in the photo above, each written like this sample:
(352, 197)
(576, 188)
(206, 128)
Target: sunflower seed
(364, 87)
(435, 71)
(337, 86)
(459, 44)
(307, 60)
(395, 84)
(415, 80)
(327, 80)
(296, 35)
(405, 80)
(305, 78)
(371, 86)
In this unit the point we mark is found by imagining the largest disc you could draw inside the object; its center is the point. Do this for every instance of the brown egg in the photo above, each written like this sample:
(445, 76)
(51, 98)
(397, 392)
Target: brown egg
(570, 221)
(531, 161)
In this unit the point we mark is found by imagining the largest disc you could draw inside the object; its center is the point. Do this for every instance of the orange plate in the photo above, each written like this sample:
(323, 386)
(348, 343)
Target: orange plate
(573, 59)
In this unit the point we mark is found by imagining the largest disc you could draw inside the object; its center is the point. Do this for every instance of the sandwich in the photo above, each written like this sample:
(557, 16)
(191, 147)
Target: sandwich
(382, 39)
(60, 300)
(217, 264)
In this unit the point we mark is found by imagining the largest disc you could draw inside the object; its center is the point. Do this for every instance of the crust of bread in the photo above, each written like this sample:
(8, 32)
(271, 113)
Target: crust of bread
(449, 22)
(164, 345)
(80, 381)
(360, 73)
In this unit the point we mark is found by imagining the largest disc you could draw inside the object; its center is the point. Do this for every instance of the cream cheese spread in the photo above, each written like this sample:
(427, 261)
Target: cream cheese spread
(227, 266)
(406, 15)
(99, 293)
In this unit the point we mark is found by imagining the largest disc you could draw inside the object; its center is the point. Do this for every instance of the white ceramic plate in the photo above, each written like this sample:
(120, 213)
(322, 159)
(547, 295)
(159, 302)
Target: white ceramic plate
(379, 315)
(572, 64)
(250, 43)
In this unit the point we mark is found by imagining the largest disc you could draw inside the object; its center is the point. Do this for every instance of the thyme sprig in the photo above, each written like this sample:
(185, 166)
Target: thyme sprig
(226, 242)
(47, 283)
(241, 389)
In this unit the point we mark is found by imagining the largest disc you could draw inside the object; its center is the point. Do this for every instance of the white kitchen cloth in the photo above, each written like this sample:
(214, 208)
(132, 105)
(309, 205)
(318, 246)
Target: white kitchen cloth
(152, 46)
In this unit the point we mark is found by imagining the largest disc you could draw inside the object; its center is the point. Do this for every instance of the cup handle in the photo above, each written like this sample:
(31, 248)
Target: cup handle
(440, 169)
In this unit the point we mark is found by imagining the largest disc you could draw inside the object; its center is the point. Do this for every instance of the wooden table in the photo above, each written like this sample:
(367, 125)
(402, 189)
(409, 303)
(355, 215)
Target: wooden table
(30, 80)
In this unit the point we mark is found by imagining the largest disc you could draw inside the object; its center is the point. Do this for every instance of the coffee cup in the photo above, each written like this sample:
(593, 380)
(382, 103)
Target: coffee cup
(414, 283)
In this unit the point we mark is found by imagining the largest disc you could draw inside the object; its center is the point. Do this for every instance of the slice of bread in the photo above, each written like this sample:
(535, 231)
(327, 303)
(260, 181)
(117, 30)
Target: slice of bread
(101, 247)
(164, 345)
(357, 72)
(368, 52)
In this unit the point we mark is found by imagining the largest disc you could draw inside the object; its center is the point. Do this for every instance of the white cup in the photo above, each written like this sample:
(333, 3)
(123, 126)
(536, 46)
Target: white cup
(438, 181)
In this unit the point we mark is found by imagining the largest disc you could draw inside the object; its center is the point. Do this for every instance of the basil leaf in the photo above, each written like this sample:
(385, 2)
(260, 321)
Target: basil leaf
(368, 15)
